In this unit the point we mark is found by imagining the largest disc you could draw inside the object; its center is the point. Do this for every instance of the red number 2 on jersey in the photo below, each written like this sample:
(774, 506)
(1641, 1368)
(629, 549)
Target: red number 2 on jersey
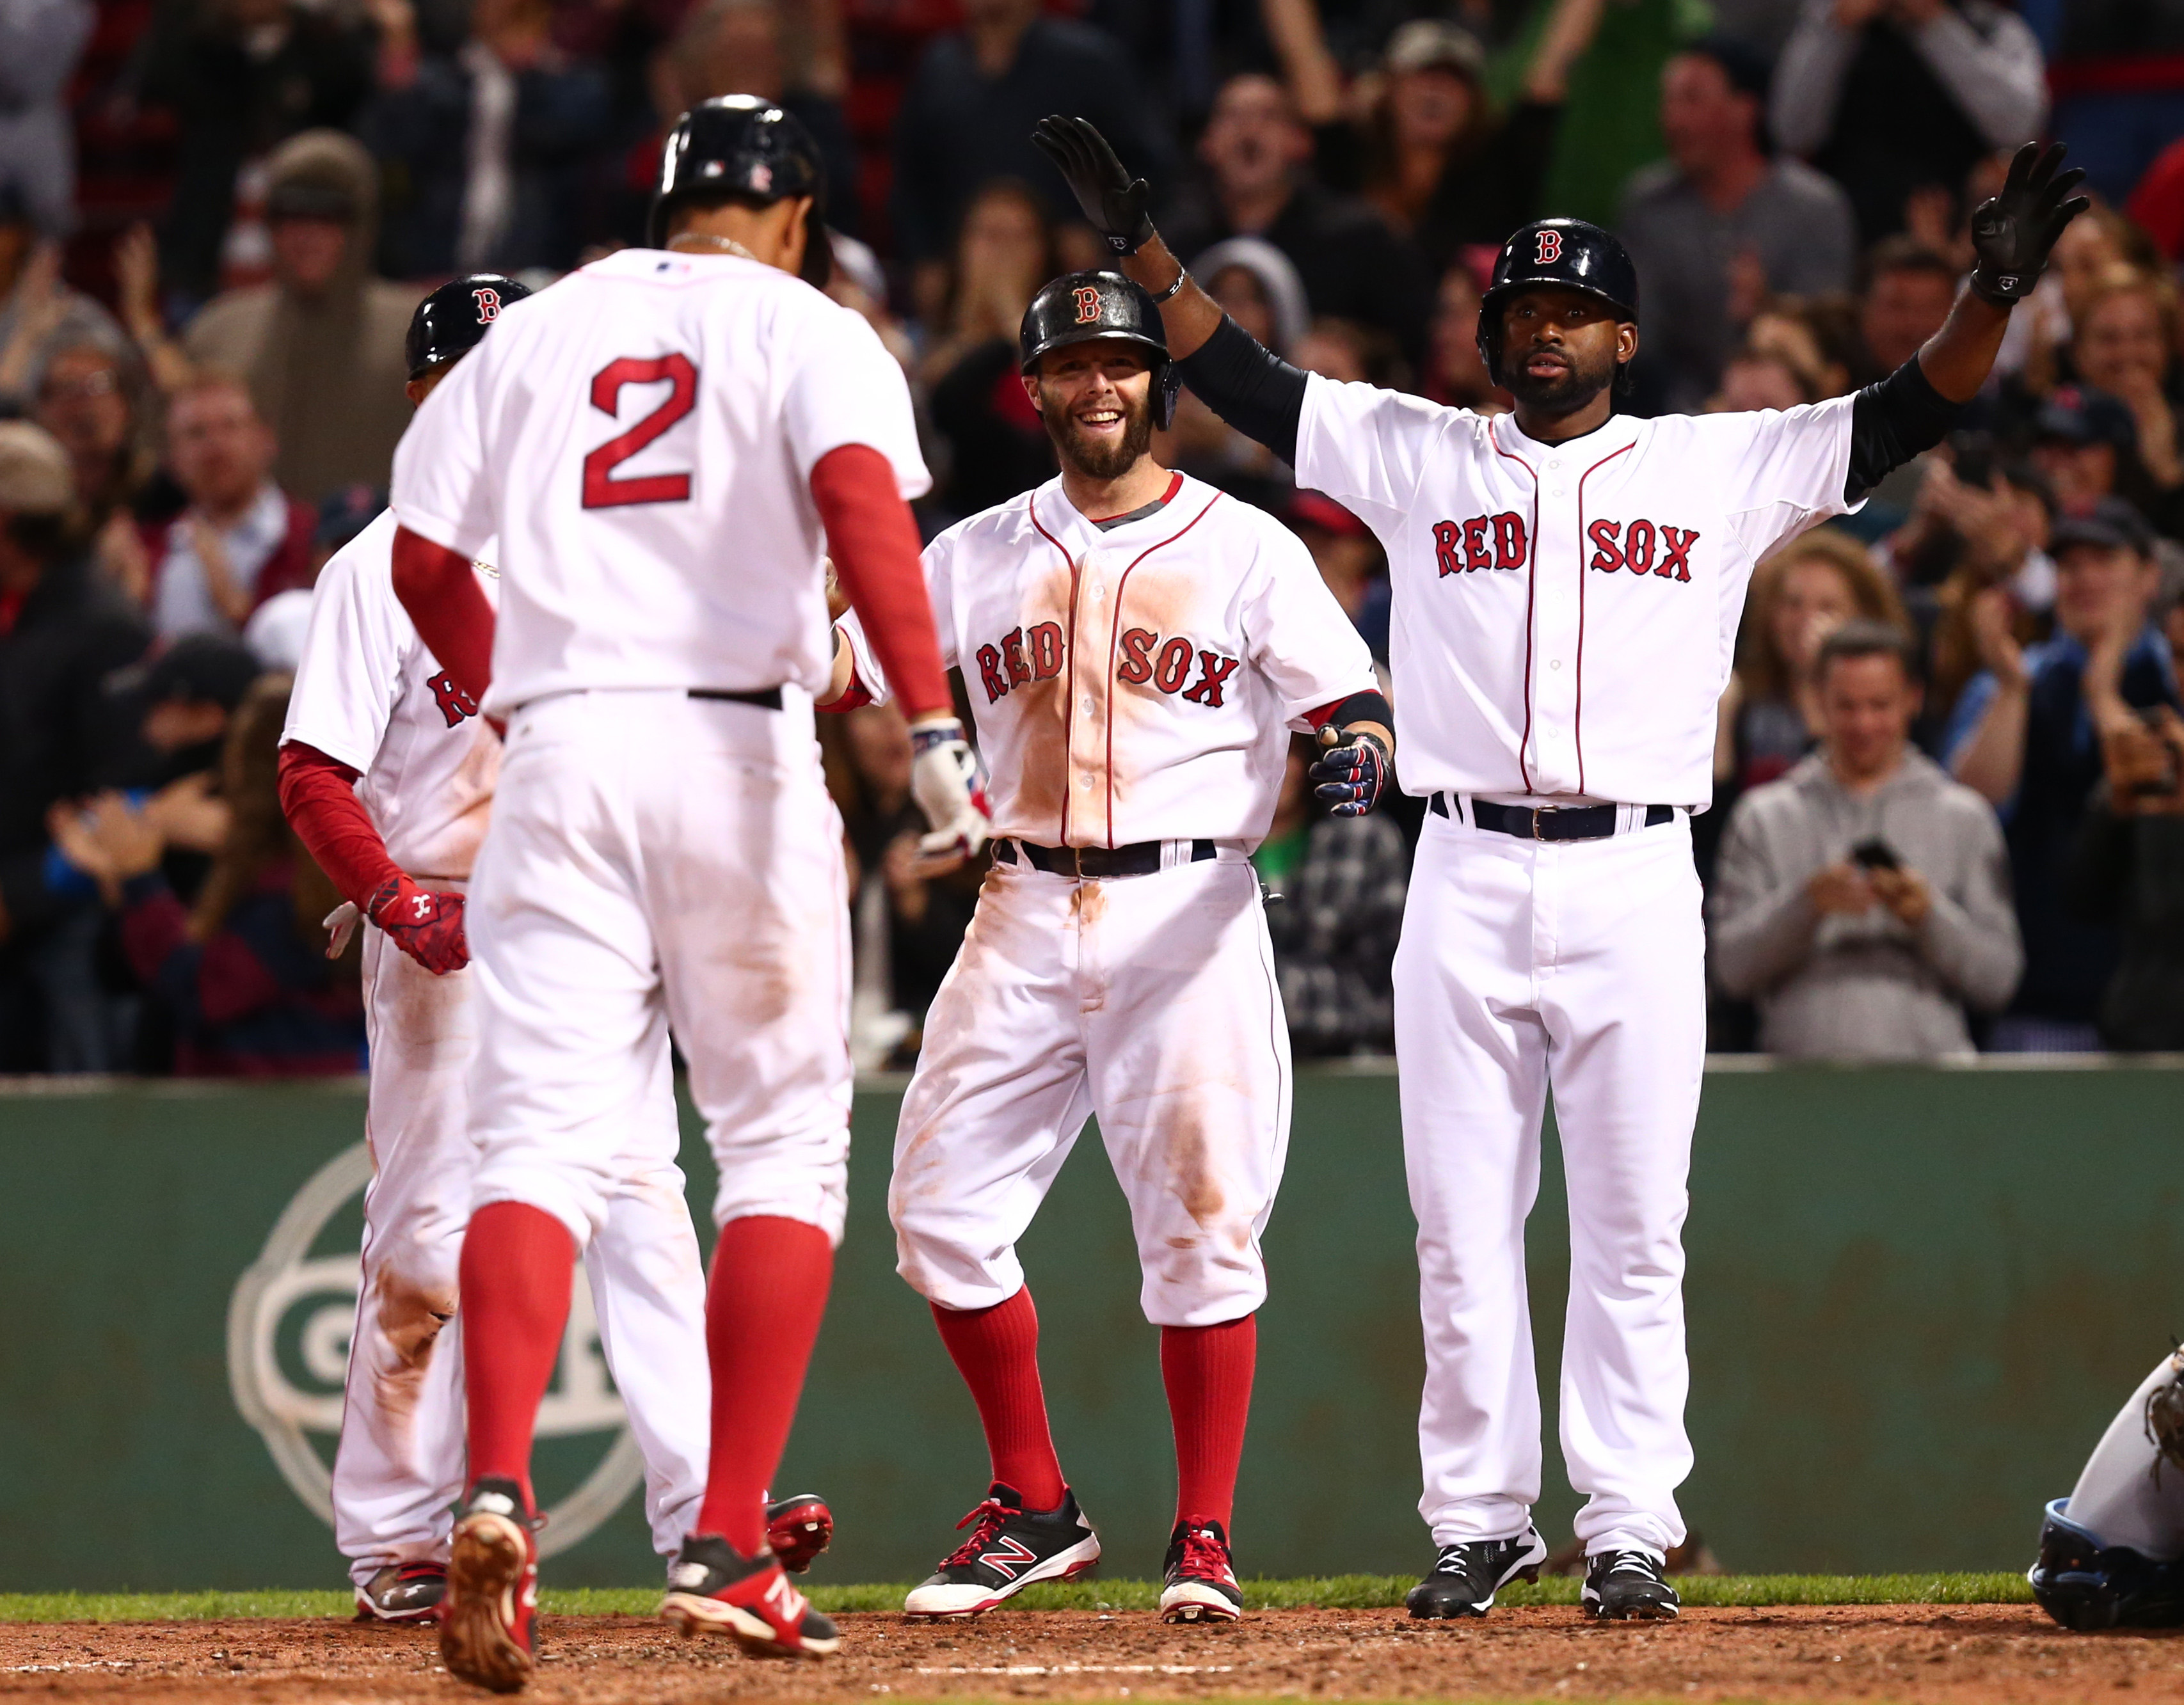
(602, 491)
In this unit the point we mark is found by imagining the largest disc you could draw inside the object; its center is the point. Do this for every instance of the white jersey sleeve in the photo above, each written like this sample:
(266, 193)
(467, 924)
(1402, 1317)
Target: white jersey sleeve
(1781, 471)
(439, 488)
(1299, 638)
(1366, 447)
(848, 390)
(350, 674)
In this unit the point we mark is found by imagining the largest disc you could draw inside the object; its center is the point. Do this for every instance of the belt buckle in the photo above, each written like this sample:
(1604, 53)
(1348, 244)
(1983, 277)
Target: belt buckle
(1537, 814)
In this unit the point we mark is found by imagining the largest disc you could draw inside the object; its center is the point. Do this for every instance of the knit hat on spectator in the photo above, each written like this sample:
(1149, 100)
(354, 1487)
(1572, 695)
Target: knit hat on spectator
(201, 667)
(36, 477)
(2079, 415)
(2111, 523)
(1745, 66)
(1435, 43)
(313, 189)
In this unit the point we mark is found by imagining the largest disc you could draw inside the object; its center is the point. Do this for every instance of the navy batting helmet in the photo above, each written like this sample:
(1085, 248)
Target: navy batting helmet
(1565, 251)
(742, 148)
(1080, 306)
(449, 322)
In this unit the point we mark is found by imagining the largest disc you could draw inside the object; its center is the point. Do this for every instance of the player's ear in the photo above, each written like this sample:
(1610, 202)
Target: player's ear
(1031, 389)
(1626, 340)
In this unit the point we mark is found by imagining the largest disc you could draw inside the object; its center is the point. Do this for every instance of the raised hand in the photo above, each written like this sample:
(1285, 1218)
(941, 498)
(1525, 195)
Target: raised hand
(2014, 230)
(1115, 203)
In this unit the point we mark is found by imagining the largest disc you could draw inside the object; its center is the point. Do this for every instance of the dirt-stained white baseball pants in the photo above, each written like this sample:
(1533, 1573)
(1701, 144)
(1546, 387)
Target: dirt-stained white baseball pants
(658, 860)
(1147, 1000)
(1579, 965)
(399, 1464)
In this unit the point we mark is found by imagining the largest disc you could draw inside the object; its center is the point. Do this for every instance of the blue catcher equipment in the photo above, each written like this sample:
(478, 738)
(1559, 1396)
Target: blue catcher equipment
(2087, 1585)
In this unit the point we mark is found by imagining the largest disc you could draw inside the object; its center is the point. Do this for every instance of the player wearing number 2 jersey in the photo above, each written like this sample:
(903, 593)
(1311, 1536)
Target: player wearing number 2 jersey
(667, 445)
(1567, 587)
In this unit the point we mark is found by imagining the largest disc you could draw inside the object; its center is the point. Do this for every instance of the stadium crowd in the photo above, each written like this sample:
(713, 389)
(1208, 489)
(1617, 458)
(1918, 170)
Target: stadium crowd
(1949, 783)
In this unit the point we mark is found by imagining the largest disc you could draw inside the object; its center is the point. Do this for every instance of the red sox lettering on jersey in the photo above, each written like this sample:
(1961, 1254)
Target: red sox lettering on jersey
(1134, 683)
(1576, 603)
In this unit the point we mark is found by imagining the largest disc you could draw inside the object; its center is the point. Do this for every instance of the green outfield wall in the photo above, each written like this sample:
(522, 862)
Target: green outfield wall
(1915, 1297)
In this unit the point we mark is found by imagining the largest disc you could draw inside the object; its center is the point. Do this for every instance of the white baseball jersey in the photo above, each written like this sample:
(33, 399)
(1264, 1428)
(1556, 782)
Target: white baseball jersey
(1135, 682)
(370, 695)
(1565, 614)
(640, 438)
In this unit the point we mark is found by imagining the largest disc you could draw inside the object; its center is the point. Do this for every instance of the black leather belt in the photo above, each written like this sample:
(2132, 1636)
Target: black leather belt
(1549, 823)
(766, 698)
(1142, 858)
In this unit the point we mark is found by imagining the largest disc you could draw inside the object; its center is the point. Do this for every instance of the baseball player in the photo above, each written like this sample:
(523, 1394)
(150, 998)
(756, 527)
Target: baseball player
(1136, 647)
(387, 772)
(1567, 584)
(665, 445)
(2112, 1553)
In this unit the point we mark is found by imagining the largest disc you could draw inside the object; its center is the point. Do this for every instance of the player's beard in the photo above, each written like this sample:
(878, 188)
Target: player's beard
(1567, 392)
(1094, 460)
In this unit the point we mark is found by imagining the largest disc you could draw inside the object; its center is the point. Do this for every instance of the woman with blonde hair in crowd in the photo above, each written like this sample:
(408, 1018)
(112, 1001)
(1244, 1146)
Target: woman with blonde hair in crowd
(2127, 344)
(244, 973)
(994, 446)
(1770, 716)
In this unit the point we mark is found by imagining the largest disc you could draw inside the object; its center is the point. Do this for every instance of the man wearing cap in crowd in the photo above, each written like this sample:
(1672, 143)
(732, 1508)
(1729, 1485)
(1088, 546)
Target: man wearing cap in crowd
(1724, 216)
(321, 345)
(2086, 442)
(62, 634)
(2026, 733)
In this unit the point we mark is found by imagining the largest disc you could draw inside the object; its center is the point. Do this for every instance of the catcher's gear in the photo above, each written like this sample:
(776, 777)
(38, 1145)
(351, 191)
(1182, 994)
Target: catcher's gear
(2087, 1585)
(1081, 307)
(426, 926)
(450, 321)
(2014, 230)
(1116, 204)
(1565, 251)
(741, 148)
(1352, 771)
(944, 780)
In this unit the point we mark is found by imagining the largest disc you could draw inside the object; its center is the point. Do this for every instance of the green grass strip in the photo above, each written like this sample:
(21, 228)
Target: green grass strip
(1336, 1592)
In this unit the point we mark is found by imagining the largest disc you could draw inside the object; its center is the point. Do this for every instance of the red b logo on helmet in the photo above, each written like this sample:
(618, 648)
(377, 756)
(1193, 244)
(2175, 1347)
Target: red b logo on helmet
(1087, 304)
(489, 303)
(1549, 249)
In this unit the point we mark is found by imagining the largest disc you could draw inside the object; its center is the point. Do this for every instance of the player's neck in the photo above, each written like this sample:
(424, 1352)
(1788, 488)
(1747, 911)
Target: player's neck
(1560, 429)
(1097, 499)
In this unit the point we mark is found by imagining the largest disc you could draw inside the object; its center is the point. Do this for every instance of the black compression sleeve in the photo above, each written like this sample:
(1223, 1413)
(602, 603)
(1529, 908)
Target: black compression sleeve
(1255, 391)
(1892, 421)
(1362, 707)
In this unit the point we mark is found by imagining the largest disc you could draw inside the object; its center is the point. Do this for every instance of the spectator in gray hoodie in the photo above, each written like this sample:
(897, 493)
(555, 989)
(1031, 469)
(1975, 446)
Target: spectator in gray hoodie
(1864, 900)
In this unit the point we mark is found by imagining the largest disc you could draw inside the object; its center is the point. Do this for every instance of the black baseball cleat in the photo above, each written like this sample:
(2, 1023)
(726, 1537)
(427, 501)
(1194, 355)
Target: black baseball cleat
(1201, 1576)
(1467, 1575)
(1628, 1586)
(489, 1620)
(1009, 1547)
(798, 1528)
(713, 1588)
(403, 1592)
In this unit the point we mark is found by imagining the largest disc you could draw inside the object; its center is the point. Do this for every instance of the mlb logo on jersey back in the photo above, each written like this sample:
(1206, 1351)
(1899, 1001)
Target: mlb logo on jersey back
(1643, 547)
(1461, 547)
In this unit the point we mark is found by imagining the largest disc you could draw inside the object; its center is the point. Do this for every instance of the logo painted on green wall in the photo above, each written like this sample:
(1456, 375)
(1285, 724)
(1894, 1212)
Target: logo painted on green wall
(288, 1326)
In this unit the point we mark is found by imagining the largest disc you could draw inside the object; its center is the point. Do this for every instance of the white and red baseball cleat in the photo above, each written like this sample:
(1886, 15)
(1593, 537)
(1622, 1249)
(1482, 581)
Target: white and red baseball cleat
(712, 1588)
(488, 1619)
(1201, 1576)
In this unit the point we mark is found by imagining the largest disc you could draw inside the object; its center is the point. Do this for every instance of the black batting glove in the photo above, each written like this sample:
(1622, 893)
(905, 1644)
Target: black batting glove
(1115, 202)
(2013, 231)
(1352, 772)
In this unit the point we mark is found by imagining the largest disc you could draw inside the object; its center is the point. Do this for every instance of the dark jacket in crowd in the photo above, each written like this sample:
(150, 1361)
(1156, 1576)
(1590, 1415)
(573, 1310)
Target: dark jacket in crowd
(2127, 871)
(996, 446)
(420, 134)
(58, 723)
(1353, 266)
(1335, 932)
(957, 128)
(2068, 961)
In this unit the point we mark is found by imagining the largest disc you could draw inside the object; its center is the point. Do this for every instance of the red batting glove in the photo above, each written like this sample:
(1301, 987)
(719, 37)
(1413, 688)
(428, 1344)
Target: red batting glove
(428, 926)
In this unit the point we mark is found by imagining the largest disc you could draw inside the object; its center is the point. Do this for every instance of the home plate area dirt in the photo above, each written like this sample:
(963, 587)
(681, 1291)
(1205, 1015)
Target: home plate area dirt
(1985, 1653)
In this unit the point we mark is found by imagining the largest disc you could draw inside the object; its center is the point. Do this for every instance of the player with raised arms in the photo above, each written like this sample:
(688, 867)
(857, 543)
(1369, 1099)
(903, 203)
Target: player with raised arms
(1568, 583)
(667, 444)
(1137, 649)
(387, 772)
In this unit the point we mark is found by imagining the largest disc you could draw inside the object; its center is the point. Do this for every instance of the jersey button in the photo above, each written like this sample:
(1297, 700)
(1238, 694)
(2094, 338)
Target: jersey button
(1556, 664)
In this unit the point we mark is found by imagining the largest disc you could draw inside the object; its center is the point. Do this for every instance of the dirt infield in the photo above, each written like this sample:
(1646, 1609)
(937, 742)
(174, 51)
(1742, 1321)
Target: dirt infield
(1985, 1653)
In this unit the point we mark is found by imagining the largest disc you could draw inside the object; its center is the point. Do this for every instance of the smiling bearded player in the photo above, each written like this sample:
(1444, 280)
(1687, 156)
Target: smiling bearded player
(1567, 583)
(1136, 648)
